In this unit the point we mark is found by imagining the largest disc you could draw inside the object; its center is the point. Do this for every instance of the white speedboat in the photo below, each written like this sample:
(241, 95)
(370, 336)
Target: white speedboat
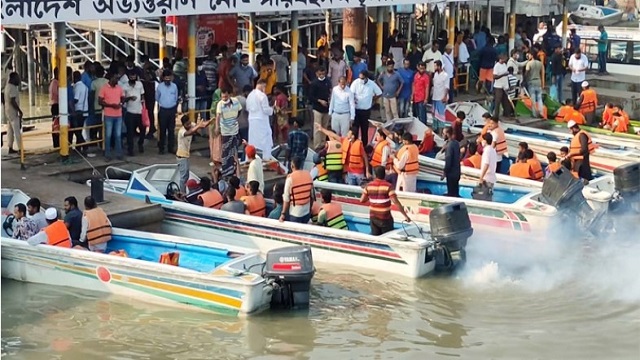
(596, 15)
(210, 276)
(409, 250)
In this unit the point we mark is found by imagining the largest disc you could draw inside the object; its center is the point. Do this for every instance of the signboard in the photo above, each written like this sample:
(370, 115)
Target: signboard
(47, 11)
(210, 29)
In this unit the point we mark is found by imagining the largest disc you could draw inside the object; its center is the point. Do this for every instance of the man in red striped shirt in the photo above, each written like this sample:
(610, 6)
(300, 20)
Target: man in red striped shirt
(380, 194)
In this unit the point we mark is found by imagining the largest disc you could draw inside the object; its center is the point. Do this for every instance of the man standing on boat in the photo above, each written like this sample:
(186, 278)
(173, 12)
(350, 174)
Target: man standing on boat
(226, 124)
(587, 103)
(406, 164)
(185, 135)
(365, 93)
(488, 162)
(452, 169)
(298, 194)
(580, 148)
(380, 194)
(96, 227)
(260, 134)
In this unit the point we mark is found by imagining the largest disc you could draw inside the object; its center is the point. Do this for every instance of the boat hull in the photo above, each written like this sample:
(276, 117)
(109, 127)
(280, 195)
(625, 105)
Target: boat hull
(605, 21)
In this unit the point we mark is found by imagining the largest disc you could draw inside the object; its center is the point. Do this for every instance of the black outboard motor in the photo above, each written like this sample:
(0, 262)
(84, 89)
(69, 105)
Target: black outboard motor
(482, 192)
(450, 228)
(627, 184)
(563, 191)
(290, 270)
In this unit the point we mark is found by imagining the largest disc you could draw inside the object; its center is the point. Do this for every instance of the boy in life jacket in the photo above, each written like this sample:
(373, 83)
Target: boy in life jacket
(521, 168)
(554, 164)
(330, 214)
(607, 118)
(566, 162)
(210, 197)
(620, 120)
(319, 173)
(536, 167)
(234, 182)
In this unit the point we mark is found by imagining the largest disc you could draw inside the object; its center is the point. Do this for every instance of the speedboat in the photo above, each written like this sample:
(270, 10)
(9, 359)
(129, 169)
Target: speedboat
(409, 250)
(608, 155)
(596, 15)
(208, 275)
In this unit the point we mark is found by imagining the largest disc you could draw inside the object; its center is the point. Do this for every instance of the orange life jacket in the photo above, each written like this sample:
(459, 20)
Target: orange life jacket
(412, 166)
(575, 146)
(563, 111)
(333, 160)
(58, 235)
(575, 116)
(589, 101)
(428, 143)
(354, 163)
(240, 192)
(301, 187)
(475, 160)
(538, 174)
(501, 142)
(607, 116)
(335, 217)
(376, 158)
(99, 230)
(315, 211)
(170, 258)
(256, 205)
(211, 199)
(323, 174)
(521, 170)
(622, 125)
(554, 167)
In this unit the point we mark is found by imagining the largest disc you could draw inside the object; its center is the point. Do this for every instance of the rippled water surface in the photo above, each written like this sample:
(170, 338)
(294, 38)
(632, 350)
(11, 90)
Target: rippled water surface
(581, 302)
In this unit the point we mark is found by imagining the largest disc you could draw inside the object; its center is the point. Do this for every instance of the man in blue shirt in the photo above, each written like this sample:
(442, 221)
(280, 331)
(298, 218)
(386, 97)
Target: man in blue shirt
(391, 83)
(404, 99)
(167, 99)
(480, 37)
(358, 66)
(298, 142)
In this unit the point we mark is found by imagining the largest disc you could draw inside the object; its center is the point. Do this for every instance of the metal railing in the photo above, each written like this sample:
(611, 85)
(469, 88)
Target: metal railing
(133, 47)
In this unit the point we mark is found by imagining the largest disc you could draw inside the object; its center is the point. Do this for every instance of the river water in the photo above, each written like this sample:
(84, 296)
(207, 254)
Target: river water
(577, 304)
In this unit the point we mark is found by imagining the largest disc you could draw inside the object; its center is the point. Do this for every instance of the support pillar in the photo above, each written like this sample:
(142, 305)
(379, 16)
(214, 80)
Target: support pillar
(473, 18)
(327, 24)
(136, 42)
(451, 35)
(565, 22)
(31, 68)
(295, 42)
(353, 27)
(392, 19)
(53, 49)
(512, 25)
(251, 38)
(191, 73)
(99, 42)
(63, 101)
(162, 34)
(458, 15)
(379, 35)
(489, 15)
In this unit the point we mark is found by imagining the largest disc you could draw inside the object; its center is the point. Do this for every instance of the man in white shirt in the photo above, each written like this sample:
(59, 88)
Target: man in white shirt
(133, 101)
(337, 68)
(342, 108)
(260, 134)
(578, 64)
(448, 64)
(489, 161)
(365, 92)
(440, 92)
(430, 56)
(500, 87)
(255, 171)
(81, 109)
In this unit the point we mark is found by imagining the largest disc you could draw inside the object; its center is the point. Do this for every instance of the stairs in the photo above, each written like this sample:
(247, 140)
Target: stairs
(80, 47)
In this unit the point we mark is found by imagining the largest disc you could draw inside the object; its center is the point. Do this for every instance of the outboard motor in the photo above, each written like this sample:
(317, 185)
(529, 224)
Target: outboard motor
(627, 185)
(563, 191)
(482, 192)
(290, 270)
(450, 228)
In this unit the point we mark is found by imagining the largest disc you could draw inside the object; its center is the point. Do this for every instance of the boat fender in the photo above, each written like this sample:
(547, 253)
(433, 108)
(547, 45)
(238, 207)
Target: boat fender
(170, 258)
(120, 252)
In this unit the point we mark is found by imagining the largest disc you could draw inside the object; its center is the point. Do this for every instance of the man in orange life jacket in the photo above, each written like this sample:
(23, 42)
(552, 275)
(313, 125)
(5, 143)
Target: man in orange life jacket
(96, 227)
(298, 194)
(210, 197)
(380, 195)
(499, 143)
(587, 103)
(564, 110)
(255, 201)
(381, 154)
(406, 164)
(607, 116)
(330, 214)
(474, 159)
(554, 164)
(580, 149)
(354, 158)
(54, 234)
(521, 168)
(536, 167)
(575, 115)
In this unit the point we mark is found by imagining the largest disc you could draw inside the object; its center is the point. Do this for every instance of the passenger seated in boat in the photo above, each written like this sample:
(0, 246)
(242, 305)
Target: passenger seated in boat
(574, 115)
(234, 182)
(380, 194)
(554, 164)
(522, 147)
(330, 214)
(315, 211)
(474, 159)
(607, 117)
(210, 196)
(428, 144)
(24, 227)
(55, 234)
(298, 194)
(564, 110)
(278, 190)
(96, 227)
(620, 120)
(532, 160)
(233, 205)
(457, 126)
(194, 189)
(521, 168)
(255, 201)
(564, 160)
(319, 173)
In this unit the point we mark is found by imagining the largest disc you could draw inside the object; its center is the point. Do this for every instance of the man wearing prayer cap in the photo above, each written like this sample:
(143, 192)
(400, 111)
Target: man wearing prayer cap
(255, 171)
(54, 234)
